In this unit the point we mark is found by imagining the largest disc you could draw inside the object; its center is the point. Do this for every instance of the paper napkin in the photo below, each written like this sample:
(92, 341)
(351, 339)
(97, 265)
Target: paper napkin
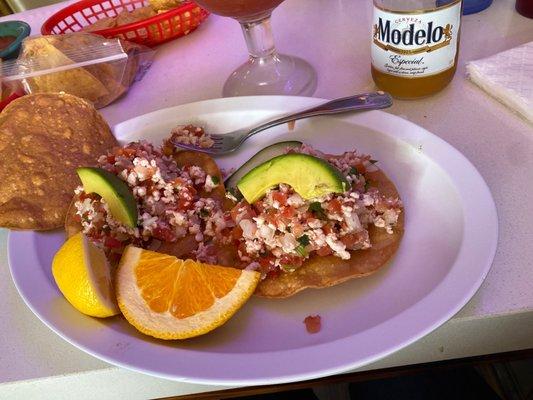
(508, 77)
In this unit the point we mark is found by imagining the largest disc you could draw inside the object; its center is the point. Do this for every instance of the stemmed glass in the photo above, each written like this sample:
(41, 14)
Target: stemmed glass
(266, 71)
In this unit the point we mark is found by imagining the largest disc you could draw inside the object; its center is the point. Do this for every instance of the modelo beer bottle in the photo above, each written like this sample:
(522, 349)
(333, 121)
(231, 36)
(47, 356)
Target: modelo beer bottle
(415, 44)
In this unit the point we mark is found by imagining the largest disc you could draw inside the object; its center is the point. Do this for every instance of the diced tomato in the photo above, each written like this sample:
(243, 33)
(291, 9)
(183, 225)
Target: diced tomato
(236, 233)
(164, 233)
(351, 240)
(147, 172)
(292, 260)
(112, 243)
(272, 217)
(324, 251)
(273, 273)
(327, 228)
(126, 152)
(266, 262)
(242, 249)
(297, 229)
(284, 221)
(184, 204)
(178, 182)
(111, 159)
(360, 167)
(307, 216)
(241, 211)
(288, 212)
(225, 234)
(313, 323)
(259, 207)
(130, 152)
(281, 198)
(193, 192)
(335, 206)
(92, 196)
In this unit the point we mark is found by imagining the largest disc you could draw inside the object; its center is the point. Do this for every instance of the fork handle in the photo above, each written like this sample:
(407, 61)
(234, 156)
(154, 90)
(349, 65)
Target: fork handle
(359, 102)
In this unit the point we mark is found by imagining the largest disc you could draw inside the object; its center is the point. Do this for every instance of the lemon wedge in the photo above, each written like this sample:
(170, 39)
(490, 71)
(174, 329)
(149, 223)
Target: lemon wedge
(83, 275)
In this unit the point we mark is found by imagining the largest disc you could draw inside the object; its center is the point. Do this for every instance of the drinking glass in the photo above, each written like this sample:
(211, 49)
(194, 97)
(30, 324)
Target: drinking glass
(525, 8)
(266, 71)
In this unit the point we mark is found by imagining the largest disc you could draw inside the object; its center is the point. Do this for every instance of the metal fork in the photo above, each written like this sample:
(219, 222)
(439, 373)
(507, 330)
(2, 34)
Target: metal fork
(228, 142)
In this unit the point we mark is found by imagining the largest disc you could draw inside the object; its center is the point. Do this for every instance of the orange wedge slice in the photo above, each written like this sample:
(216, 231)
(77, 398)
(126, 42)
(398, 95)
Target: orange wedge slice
(169, 298)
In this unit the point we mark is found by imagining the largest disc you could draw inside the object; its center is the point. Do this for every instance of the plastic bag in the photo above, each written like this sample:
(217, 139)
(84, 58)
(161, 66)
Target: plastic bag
(82, 64)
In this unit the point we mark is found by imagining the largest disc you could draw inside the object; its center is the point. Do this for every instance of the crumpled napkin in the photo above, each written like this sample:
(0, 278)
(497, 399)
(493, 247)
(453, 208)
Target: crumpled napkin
(508, 77)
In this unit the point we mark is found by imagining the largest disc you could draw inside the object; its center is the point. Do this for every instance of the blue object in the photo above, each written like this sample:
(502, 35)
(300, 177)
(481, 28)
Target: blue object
(474, 6)
(20, 30)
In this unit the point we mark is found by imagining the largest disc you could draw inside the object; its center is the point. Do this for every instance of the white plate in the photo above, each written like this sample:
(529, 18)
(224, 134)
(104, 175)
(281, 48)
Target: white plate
(449, 243)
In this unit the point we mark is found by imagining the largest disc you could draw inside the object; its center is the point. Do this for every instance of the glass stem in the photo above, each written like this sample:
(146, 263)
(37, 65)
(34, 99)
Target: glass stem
(259, 39)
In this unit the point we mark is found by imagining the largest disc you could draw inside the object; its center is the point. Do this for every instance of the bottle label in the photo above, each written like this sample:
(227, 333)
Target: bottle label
(416, 44)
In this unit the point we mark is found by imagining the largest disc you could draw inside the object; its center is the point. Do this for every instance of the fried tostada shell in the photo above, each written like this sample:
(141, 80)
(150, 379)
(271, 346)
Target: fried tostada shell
(319, 272)
(43, 139)
(185, 245)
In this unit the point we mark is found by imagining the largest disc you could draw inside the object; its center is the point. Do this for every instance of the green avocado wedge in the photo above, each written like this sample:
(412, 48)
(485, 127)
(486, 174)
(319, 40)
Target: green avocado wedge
(276, 149)
(114, 191)
(309, 176)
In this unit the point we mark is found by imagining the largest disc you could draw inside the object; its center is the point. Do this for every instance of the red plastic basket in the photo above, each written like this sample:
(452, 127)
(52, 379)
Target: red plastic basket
(151, 31)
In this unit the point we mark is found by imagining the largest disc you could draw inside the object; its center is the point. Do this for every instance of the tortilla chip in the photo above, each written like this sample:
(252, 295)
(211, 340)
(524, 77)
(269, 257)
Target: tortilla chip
(110, 74)
(101, 24)
(164, 5)
(320, 272)
(139, 14)
(76, 81)
(100, 83)
(43, 139)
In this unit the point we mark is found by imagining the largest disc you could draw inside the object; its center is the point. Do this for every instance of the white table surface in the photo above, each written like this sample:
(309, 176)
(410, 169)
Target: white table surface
(333, 35)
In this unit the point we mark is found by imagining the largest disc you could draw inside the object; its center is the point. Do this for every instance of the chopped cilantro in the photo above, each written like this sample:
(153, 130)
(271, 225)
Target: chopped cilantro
(303, 240)
(373, 161)
(316, 207)
(300, 249)
(215, 180)
(367, 184)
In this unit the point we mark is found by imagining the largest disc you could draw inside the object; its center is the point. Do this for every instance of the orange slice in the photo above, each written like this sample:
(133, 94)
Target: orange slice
(169, 298)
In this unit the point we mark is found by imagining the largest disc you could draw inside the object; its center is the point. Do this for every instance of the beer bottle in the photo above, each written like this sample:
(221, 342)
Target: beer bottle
(415, 44)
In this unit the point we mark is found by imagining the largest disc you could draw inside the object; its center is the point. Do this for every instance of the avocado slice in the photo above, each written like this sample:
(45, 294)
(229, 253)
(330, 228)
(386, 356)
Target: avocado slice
(114, 191)
(276, 149)
(309, 176)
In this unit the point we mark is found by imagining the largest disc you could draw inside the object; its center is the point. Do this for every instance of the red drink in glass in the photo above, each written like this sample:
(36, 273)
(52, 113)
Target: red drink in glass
(266, 71)
(243, 10)
(525, 7)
